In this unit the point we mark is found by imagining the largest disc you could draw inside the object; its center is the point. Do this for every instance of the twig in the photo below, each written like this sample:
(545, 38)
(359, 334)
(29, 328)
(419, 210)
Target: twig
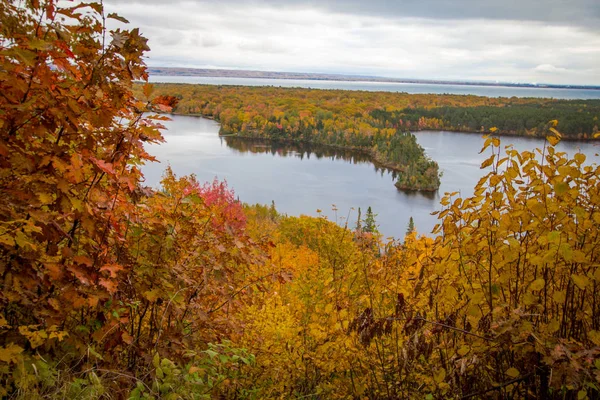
(500, 386)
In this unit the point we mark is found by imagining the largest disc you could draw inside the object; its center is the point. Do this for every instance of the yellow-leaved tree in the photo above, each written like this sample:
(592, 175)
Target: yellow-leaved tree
(503, 303)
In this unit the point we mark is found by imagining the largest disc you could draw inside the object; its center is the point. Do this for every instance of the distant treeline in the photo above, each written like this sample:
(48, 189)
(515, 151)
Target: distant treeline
(577, 119)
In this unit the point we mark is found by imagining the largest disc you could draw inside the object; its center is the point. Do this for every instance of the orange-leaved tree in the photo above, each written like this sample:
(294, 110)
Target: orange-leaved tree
(103, 279)
(71, 146)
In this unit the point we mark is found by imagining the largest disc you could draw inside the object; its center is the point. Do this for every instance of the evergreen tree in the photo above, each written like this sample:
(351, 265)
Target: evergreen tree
(358, 221)
(370, 225)
(411, 226)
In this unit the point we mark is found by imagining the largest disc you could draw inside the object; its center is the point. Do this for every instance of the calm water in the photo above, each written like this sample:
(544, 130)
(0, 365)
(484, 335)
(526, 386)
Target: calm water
(302, 179)
(489, 91)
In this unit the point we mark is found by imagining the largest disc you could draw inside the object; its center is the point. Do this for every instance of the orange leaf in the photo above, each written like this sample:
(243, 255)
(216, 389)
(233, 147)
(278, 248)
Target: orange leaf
(85, 260)
(103, 165)
(109, 284)
(127, 338)
(112, 269)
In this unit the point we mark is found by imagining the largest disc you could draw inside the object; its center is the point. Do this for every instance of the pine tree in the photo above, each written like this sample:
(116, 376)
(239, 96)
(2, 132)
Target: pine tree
(359, 221)
(370, 224)
(411, 226)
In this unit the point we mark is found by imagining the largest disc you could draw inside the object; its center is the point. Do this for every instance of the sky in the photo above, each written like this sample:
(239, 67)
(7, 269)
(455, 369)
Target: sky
(525, 41)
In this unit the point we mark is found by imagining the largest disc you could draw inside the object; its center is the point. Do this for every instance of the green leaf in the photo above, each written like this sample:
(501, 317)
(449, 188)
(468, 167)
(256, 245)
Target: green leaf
(211, 353)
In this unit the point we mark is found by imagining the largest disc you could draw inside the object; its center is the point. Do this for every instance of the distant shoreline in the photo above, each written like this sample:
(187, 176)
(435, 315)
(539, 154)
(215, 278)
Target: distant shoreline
(227, 73)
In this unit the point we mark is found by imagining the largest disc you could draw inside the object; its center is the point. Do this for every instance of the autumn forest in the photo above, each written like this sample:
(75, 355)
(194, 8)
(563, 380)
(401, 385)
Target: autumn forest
(114, 290)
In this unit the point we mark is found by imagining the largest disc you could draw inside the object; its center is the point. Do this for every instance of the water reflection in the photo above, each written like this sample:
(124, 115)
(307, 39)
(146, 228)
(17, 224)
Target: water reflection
(302, 151)
(302, 178)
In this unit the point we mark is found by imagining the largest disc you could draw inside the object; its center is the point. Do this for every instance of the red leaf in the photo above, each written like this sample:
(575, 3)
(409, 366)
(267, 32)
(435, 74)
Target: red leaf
(103, 165)
(50, 10)
(109, 285)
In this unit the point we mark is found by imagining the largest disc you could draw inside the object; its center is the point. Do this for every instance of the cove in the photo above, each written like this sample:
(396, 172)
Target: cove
(302, 179)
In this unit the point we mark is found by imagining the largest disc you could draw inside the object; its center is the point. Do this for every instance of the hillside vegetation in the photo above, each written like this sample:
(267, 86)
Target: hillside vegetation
(112, 290)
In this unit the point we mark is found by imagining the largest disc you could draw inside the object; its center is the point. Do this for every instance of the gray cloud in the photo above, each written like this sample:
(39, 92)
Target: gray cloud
(566, 12)
(434, 39)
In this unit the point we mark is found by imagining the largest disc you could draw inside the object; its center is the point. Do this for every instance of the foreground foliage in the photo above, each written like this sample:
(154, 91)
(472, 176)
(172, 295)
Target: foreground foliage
(113, 290)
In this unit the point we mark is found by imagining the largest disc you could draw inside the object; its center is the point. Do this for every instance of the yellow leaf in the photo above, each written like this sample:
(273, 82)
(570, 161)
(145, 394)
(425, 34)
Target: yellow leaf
(553, 140)
(553, 326)
(45, 198)
(557, 133)
(529, 299)
(538, 284)
(559, 297)
(474, 311)
(152, 295)
(579, 158)
(553, 237)
(463, 350)
(512, 372)
(440, 376)
(581, 281)
(488, 162)
(561, 187)
(10, 354)
(36, 338)
(594, 336)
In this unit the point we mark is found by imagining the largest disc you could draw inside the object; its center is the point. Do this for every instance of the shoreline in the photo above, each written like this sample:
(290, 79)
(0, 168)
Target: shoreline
(350, 78)
(375, 159)
(497, 133)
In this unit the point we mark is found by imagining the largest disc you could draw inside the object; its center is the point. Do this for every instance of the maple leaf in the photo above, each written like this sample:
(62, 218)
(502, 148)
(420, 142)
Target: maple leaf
(112, 269)
(103, 165)
(109, 284)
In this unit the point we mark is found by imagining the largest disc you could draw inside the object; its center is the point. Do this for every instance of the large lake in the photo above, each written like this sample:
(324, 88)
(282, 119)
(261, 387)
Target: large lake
(489, 91)
(303, 179)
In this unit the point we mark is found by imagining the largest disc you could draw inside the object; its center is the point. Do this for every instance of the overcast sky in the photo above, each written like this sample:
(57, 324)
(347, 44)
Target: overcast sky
(543, 41)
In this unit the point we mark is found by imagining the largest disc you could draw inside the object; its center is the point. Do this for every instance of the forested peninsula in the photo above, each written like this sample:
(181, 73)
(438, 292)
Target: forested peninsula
(377, 123)
(328, 118)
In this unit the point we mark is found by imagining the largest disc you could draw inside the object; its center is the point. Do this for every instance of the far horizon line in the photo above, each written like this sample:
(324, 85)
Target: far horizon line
(284, 75)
